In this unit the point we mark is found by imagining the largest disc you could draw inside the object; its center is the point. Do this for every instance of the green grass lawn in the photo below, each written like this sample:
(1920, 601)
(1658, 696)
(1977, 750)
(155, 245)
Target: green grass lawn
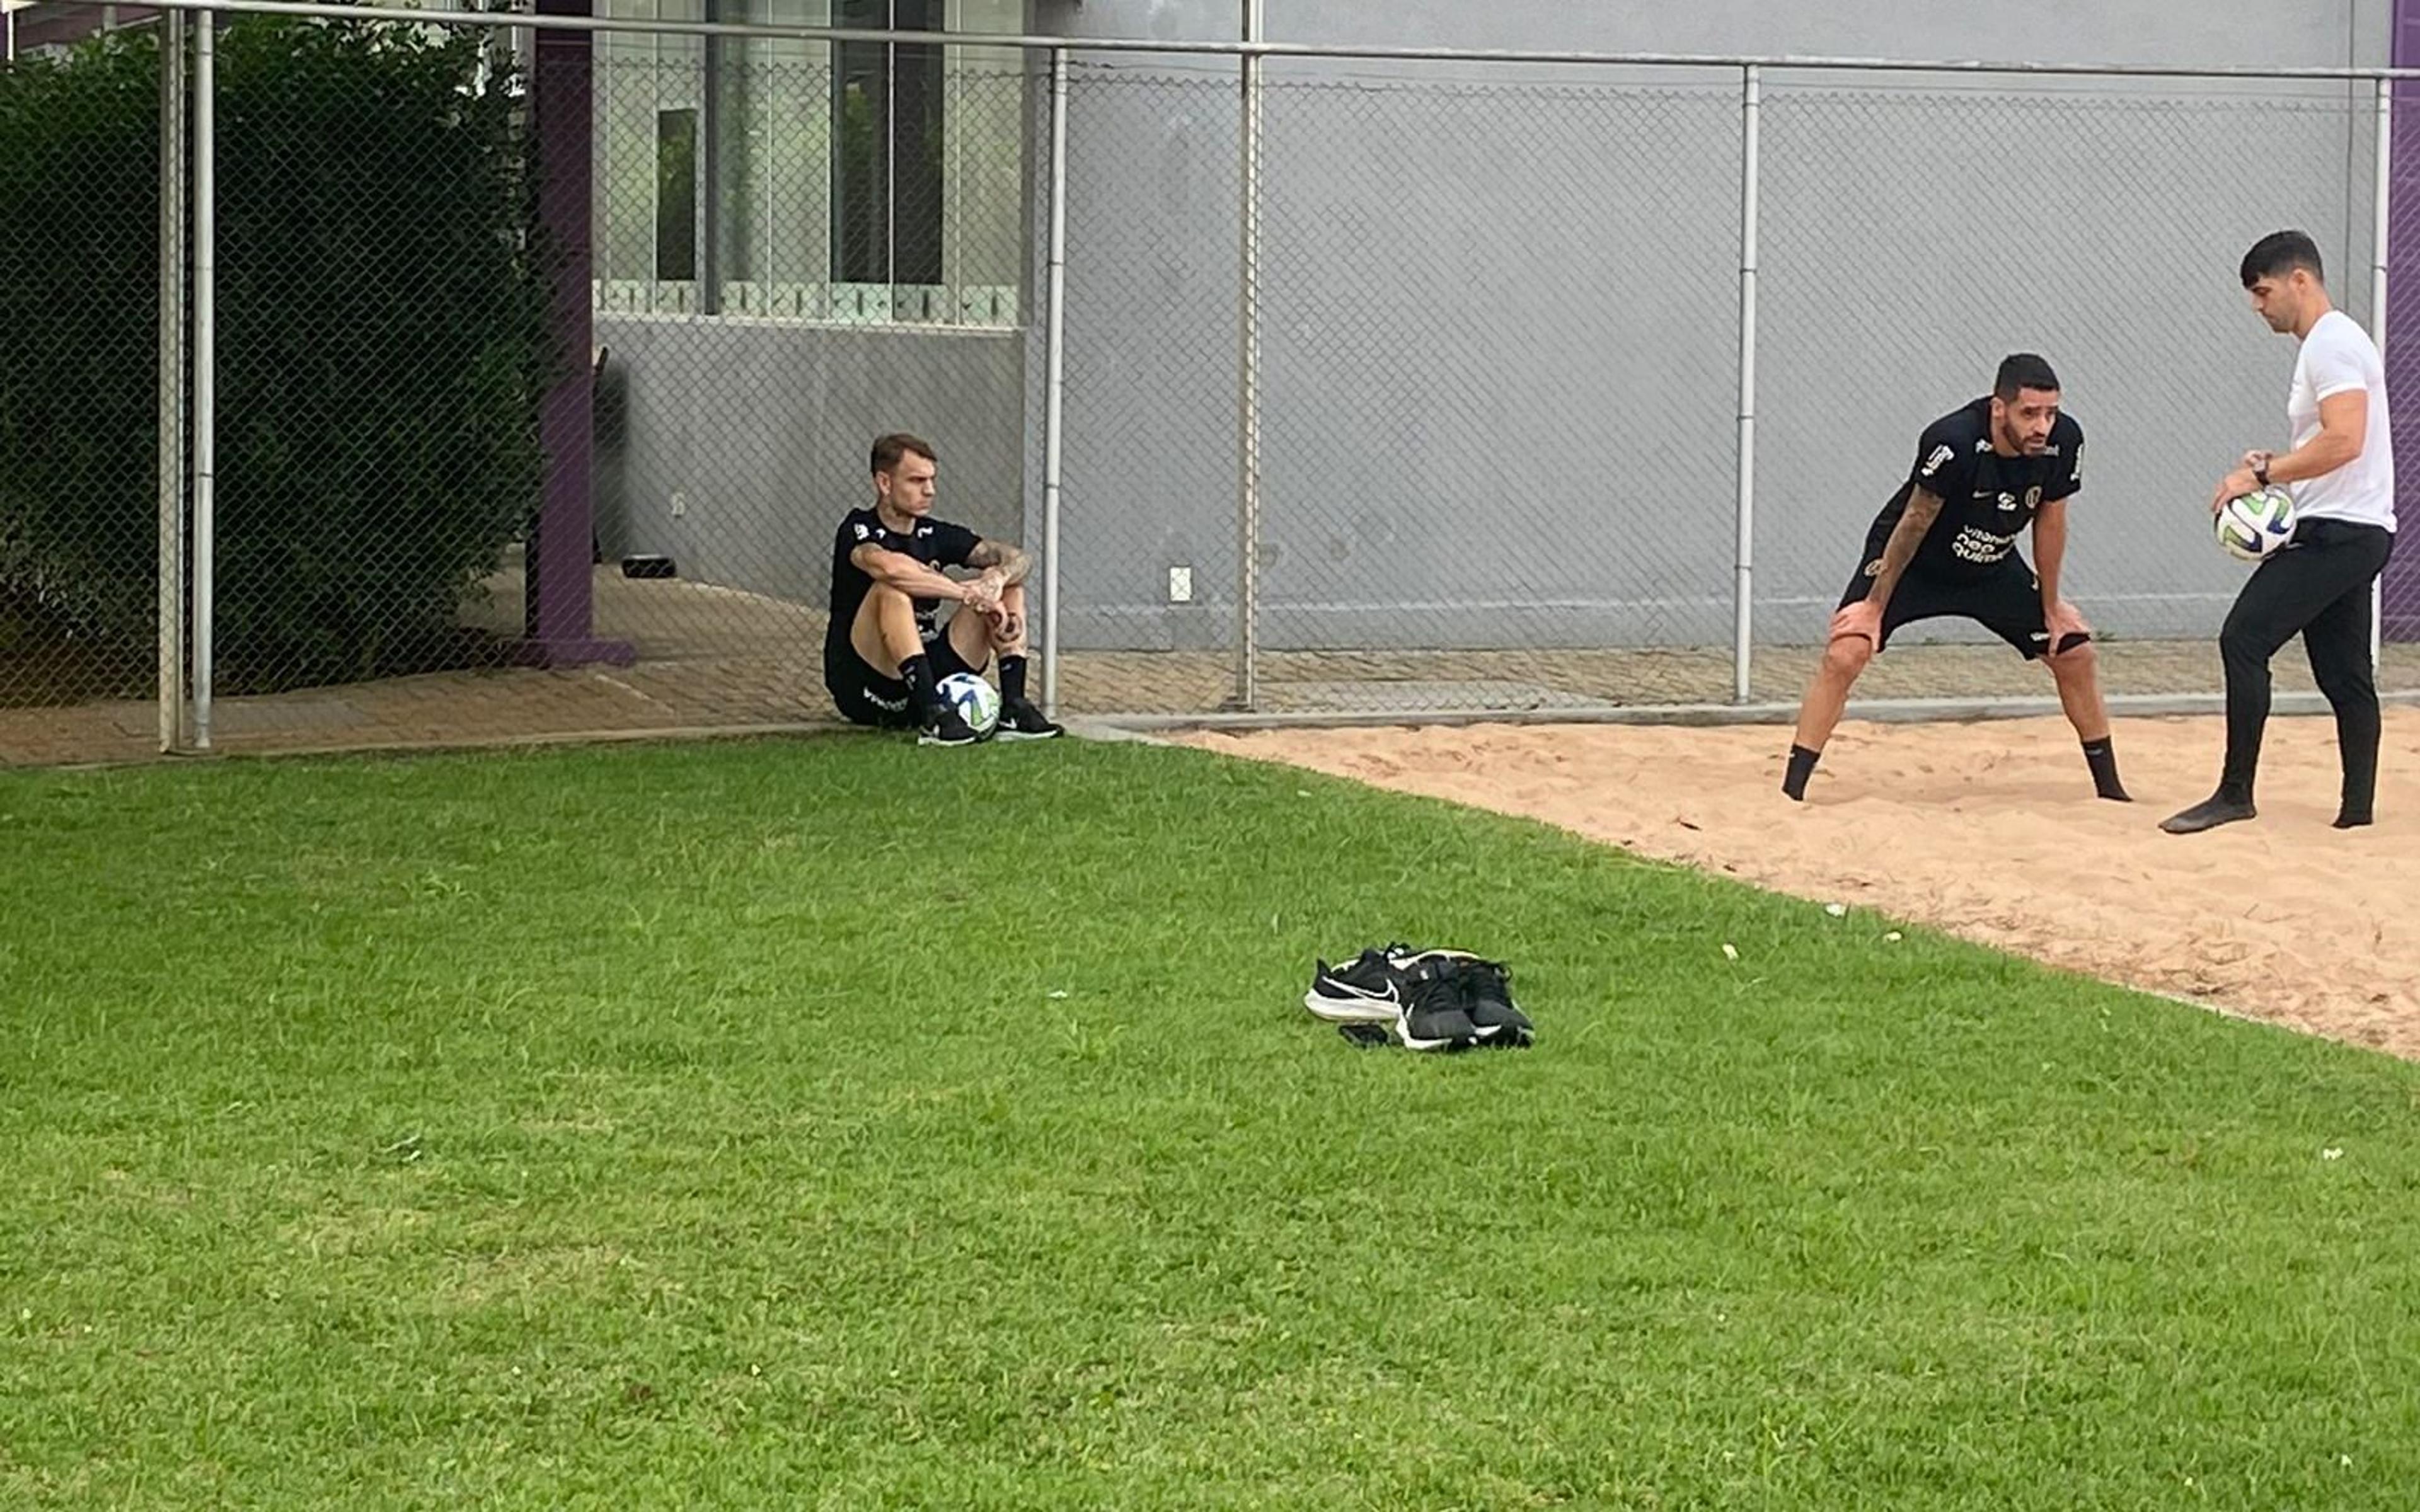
(837, 1124)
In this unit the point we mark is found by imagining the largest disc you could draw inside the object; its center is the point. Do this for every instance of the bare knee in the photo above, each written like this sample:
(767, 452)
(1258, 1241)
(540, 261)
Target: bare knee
(883, 603)
(1847, 657)
(2079, 663)
(885, 629)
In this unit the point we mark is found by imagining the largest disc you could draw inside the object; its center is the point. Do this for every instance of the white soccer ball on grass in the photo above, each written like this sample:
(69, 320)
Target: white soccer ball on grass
(974, 701)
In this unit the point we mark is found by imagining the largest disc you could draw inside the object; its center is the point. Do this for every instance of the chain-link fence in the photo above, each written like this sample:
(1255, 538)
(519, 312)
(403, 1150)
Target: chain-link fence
(80, 403)
(1501, 452)
(2096, 222)
(548, 359)
(800, 246)
(2398, 326)
(1455, 465)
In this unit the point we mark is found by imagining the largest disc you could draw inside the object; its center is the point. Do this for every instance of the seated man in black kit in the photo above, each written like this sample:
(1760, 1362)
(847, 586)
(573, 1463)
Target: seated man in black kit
(884, 653)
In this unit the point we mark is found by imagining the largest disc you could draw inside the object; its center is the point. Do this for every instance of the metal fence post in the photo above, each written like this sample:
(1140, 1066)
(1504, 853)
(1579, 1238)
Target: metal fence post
(2382, 200)
(174, 165)
(1055, 383)
(205, 75)
(1743, 586)
(1248, 396)
(709, 165)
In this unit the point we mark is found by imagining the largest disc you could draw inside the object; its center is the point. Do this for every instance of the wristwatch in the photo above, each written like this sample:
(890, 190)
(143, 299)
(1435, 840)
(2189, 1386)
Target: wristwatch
(2262, 473)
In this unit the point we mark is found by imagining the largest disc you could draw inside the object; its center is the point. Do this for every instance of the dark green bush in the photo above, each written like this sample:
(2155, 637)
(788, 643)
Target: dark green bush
(382, 344)
(79, 306)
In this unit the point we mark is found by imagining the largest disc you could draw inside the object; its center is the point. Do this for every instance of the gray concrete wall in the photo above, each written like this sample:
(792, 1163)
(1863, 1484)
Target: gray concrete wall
(1499, 306)
(762, 430)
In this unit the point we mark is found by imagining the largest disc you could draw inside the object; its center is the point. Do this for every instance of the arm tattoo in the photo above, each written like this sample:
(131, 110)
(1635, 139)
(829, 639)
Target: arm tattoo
(1013, 561)
(1922, 508)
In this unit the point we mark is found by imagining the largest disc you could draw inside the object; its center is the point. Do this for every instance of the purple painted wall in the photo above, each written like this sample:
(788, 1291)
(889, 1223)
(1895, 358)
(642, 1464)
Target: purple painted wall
(559, 614)
(2401, 585)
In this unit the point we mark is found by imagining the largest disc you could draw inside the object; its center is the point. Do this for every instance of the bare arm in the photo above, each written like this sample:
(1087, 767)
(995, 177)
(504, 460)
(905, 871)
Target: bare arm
(1011, 563)
(1923, 508)
(896, 569)
(2344, 426)
(2050, 551)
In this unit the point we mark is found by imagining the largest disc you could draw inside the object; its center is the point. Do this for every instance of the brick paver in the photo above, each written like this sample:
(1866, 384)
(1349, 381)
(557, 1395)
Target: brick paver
(719, 660)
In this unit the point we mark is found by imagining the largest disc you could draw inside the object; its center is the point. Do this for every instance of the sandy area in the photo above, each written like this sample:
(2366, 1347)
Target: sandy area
(1990, 832)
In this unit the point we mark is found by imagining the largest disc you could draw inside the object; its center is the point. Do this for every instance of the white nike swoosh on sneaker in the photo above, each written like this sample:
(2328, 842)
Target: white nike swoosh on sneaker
(1364, 993)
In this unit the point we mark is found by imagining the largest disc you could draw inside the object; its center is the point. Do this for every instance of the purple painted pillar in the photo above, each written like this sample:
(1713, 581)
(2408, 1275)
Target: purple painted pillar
(558, 575)
(2399, 590)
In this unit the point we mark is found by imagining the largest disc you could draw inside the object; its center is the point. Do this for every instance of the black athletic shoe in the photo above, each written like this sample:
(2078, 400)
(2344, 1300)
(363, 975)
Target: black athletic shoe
(1373, 988)
(1433, 1015)
(1019, 719)
(947, 726)
(1368, 989)
(1486, 989)
(2208, 814)
(1487, 998)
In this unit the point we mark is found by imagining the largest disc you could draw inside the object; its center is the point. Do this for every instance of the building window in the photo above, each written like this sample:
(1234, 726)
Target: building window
(887, 174)
(676, 193)
(794, 179)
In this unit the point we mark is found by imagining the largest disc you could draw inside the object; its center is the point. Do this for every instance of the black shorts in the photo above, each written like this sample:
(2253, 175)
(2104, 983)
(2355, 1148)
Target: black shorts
(866, 697)
(2004, 599)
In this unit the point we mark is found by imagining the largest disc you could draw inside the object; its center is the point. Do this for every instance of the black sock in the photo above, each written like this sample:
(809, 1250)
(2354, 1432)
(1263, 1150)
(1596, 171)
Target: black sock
(1012, 677)
(917, 673)
(2103, 761)
(1802, 766)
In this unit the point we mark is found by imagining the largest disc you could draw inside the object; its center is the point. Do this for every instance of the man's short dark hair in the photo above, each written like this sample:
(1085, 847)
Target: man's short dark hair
(2279, 253)
(2023, 370)
(889, 448)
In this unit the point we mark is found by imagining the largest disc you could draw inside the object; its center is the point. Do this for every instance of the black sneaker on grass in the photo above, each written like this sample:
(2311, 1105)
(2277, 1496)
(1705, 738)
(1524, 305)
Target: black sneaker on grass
(1487, 998)
(1486, 988)
(1433, 1015)
(1020, 719)
(1427, 996)
(945, 726)
(1368, 989)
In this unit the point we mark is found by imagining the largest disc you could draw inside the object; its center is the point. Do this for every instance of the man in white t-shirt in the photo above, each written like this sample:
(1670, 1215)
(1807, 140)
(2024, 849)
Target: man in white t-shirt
(2341, 472)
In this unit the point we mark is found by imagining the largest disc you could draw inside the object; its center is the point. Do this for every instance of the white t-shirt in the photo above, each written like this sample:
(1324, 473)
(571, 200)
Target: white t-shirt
(2337, 357)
